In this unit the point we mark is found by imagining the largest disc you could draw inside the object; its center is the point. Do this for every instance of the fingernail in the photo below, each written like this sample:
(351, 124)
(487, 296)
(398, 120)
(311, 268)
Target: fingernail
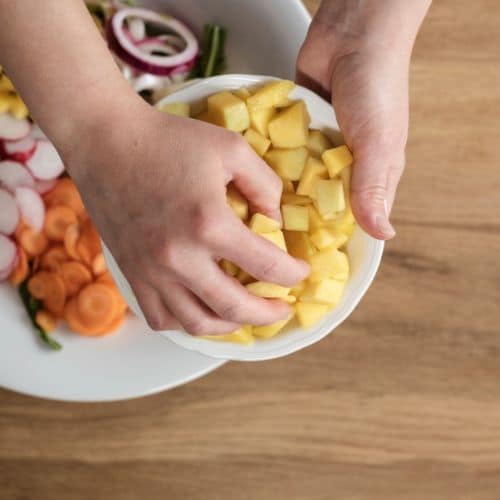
(384, 226)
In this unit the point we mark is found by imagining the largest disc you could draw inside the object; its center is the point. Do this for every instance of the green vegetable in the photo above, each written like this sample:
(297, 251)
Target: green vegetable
(212, 60)
(32, 306)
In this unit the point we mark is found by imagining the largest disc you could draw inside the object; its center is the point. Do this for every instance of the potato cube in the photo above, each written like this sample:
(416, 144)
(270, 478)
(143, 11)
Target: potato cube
(297, 289)
(317, 143)
(288, 163)
(228, 267)
(277, 238)
(288, 186)
(258, 142)
(175, 108)
(271, 94)
(315, 220)
(313, 171)
(295, 199)
(268, 290)
(268, 331)
(206, 117)
(237, 202)
(325, 237)
(290, 127)
(260, 118)
(260, 223)
(329, 263)
(336, 159)
(242, 93)
(343, 223)
(309, 314)
(327, 291)
(299, 245)
(295, 218)
(228, 111)
(242, 335)
(329, 197)
(289, 299)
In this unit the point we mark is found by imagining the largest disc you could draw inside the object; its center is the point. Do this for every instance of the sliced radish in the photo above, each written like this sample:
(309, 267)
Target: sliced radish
(14, 174)
(31, 206)
(20, 150)
(45, 163)
(37, 133)
(8, 256)
(9, 213)
(12, 129)
(42, 187)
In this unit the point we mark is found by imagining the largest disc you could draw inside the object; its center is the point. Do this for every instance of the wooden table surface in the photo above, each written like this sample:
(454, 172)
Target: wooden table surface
(403, 402)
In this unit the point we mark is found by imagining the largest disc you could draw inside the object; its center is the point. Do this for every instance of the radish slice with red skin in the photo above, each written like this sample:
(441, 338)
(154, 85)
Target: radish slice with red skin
(12, 129)
(31, 206)
(136, 28)
(42, 187)
(8, 256)
(37, 133)
(45, 163)
(9, 213)
(20, 151)
(14, 174)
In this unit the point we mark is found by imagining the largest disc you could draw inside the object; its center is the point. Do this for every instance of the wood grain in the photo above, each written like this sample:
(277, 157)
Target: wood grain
(403, 402)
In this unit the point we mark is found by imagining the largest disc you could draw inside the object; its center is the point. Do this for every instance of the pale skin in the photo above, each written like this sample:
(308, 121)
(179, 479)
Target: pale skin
(155, 184)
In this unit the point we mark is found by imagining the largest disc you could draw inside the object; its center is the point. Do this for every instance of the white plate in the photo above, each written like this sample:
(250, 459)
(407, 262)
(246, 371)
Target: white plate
(133, 362)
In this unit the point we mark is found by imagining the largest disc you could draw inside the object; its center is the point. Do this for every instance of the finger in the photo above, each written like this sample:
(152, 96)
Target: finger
(257, 256)
(232, 302)
(256, 181)
(195, 318)
(392, 184)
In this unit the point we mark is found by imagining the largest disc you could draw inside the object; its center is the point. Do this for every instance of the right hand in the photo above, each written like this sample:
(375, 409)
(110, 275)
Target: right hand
(155, 186)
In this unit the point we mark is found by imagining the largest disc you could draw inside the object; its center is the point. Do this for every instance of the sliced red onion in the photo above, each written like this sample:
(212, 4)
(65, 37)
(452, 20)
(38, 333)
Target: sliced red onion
(172, 40)
(12, 129)
(45, 163)
(31, 207)
(136, 28)
(8, 256)
(9, 213)
(132, 53)
(158, 46)
(21, 150)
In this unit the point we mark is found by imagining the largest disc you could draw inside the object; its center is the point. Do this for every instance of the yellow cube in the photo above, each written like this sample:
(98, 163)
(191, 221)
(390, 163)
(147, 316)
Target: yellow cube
(295, 218)
(336, 159)
(268, 331)
(6, 84)
(325, 237)
(175, 108)
(297, 289)
(271, 94)
(277, 238)
(329, 263)
(260, 223)
(299, 245)
(295, 199)
(328, 291)
(288, 163)
(289, 299)
(242, 335)
(228, 267)
(228, 111)
(317, 143)
(329, 197)
(288, 186)
(205, 116)
(237, 202)
(290, 127)
(315, 220)
(258, 142)
(313, 171)
(260, 118)
(309, 314)
(267, 290)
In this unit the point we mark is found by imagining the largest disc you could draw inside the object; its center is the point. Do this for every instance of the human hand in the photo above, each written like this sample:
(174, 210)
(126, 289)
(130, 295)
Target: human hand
(155, 185)
(357, 54)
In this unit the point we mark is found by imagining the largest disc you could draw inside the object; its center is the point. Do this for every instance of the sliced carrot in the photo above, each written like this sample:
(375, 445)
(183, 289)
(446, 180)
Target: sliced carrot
(21, 226)
(65, 193)
(115, 323)
(32, 242)
(57, 220)
(70, 240)
(73, 318)
(49, 287)
(53, 258)
(75, 276)
(21, 270)
(106, 278)
(46, 320)
(35, 263)
(99, 264)
(37, 285)
(96, 305)
(89, 243)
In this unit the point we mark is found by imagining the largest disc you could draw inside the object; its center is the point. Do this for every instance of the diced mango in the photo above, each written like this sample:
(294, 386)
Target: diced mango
(258, 142)
(242, 335)
(289, 128)
(325, 237)
(288, 186)
(315, 220)
(295, 199)
(289, 299)
(175, 108)
(271, 94)
(299, 245)
(268, 331)
(336, 159)
(328, 291)
(237, 202)
(295, 218)
(329, 263)
(309, 314)
(267, 290)
(297, 289)
(329, 197)
(260, 118)
(228, 111)
(228, 267)
(313, 171)
(277, 238)
(317, 143)
(6, 84)
(288, 163)
(260, 223)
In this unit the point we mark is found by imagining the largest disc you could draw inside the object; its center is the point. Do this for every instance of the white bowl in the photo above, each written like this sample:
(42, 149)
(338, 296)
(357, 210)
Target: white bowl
(364, 251)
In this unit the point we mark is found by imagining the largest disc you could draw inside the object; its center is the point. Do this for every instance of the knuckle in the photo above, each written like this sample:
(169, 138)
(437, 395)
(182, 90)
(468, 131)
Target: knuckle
(197, 326)
(206, 224)
(231, 312)
(270, 269)
(169, 254)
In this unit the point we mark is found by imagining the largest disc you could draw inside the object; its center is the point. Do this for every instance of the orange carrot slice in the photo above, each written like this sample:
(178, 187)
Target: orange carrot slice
(70, 241)
(106, 278)
(89, 243)
(99, 264)
(46, 320)
(65, 193)
(49, 287)
(96, 305)
(32, 242)
(57, 220)
(75, 276)
(72, 317)
(115, 323)
(53, 258)
(20, 273)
